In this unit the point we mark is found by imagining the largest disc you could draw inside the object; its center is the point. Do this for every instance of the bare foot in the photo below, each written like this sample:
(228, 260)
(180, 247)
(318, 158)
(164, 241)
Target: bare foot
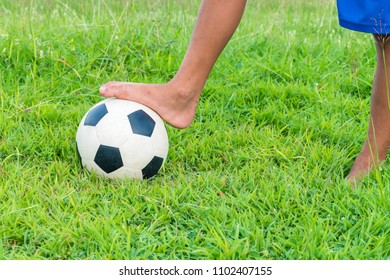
(365, 163)
(361, 167)
(176, 106)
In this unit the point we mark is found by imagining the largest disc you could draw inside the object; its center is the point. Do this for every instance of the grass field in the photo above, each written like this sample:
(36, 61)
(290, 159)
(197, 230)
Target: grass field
(258, 175)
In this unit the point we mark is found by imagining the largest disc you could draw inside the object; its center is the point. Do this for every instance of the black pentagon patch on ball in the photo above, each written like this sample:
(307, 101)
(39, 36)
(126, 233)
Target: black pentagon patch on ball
(152, 167)
(141, 123)
(108, 158)
(95, 115)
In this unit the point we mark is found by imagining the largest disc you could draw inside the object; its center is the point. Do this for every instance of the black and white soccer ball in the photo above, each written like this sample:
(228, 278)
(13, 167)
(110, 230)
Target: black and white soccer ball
(122, 139)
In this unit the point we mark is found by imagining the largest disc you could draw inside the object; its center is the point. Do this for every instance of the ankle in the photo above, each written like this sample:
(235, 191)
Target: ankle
(184, 91)
(375, 153)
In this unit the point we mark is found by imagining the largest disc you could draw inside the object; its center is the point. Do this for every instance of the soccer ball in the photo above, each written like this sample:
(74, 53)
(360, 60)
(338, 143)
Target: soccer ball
(122, 139)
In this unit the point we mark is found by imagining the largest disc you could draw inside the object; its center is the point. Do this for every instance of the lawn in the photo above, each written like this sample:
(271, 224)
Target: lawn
(260, 174)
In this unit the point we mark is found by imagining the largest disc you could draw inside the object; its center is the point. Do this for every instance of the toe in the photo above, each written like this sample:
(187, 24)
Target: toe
(108, 89)
(103, 90)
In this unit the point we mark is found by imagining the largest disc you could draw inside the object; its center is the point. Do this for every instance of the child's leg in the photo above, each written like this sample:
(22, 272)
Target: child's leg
(378, 140)
(176, 101)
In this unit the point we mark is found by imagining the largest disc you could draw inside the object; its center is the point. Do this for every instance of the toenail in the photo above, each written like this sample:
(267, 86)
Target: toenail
(103, 89)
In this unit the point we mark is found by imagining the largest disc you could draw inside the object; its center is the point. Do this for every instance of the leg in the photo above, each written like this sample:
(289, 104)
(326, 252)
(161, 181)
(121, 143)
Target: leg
(176, 101)
(375, 148)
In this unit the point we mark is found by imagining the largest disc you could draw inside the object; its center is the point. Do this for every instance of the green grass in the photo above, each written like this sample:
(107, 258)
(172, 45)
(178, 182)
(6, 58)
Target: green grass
(258, 175)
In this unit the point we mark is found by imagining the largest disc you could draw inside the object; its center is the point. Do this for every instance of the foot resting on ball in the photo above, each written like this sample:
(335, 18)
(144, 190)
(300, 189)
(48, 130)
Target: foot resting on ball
(175, 105)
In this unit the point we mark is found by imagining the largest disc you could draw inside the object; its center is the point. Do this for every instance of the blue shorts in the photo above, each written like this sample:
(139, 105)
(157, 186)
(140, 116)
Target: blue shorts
(370, 16)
